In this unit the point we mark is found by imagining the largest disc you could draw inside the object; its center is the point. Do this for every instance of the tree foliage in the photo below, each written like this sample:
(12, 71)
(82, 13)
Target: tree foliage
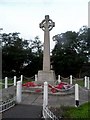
(17, 55)
(71, 52)
(35, 60)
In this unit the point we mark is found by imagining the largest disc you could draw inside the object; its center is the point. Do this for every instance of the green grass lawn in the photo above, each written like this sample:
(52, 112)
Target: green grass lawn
(80, 82)
(74, 81)
(79, 112)
(69, 113)
(0, 85)
(25, 81)
(3, 85)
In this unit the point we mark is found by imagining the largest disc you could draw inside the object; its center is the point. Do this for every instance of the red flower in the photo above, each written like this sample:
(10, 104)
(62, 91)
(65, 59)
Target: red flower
(37, 90)
(30, 84)
(53, 90)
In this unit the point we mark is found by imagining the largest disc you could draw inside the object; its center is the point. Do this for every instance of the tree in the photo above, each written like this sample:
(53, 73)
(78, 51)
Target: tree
(70, 52)
(20, 56)
(13, 54)
(35, 60)
(36, 46)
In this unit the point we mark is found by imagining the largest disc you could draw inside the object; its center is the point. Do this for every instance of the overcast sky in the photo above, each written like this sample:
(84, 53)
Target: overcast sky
(24, 16)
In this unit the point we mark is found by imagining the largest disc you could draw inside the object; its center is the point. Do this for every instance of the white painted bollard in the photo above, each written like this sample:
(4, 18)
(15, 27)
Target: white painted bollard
(76, 95)
(19, 92)
(45, 95)
(71, 79)
(88, 83)
(6, 82)
(36, 77)
(15, 80)
(59, 79)
(21, 78)
(85, 82)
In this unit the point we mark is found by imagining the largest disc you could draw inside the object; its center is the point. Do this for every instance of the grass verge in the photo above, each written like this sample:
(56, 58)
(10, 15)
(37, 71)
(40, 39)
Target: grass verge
(70, 113)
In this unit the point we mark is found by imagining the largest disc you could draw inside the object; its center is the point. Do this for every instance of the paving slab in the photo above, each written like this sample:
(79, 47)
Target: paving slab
(23, 111)
(67, 100)
(31, 99)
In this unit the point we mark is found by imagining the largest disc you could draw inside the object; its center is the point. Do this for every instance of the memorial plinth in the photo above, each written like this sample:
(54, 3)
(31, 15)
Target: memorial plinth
(46, 74)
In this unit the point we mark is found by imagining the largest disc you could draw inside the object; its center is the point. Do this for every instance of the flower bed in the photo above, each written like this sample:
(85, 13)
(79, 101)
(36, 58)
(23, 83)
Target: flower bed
(60, 86)
(53, 89)
(29, 84)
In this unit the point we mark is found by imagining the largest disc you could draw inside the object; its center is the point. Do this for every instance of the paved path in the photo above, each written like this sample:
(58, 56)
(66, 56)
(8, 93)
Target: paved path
(23, 111)
(54, 100)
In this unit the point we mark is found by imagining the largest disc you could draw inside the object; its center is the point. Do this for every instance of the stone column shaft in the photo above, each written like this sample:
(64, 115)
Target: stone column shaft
(46, 55)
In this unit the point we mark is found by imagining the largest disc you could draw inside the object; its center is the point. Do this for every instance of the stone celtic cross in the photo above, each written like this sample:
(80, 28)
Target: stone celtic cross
(46, 25)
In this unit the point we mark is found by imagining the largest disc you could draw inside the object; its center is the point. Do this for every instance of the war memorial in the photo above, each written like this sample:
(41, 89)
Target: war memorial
(46, 91)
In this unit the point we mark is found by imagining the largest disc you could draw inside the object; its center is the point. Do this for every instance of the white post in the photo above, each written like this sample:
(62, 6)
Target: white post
(15, 80)
(87, 82)
(36, 77)
(6, 82)
(77, 95)
(19, 92)
(59, 79)
(45, 96)
(71, 79)
(21, 78)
